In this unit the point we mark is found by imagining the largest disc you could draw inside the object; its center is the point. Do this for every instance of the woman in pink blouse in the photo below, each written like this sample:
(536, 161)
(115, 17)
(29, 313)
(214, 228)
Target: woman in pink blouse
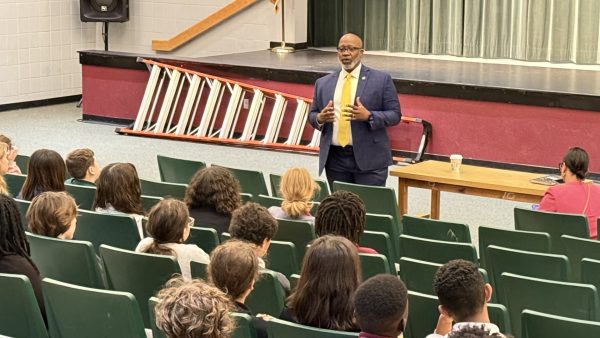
(575, 196)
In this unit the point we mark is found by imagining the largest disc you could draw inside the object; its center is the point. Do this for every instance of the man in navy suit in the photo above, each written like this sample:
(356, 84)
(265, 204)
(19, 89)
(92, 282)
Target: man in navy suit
(352, 108)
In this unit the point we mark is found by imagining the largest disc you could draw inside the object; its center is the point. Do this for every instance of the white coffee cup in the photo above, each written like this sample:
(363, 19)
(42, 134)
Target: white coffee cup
(455, 162)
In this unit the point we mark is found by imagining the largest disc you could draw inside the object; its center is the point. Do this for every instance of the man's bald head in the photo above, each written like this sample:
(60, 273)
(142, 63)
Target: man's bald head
(350, 51)
(351, 38)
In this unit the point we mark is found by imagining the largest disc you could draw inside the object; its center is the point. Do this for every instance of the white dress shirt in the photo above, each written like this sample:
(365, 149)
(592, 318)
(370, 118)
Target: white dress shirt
(337, 100)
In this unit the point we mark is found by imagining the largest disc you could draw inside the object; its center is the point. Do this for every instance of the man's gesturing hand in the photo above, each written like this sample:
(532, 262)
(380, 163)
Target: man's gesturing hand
(327, 114)
(356, 112)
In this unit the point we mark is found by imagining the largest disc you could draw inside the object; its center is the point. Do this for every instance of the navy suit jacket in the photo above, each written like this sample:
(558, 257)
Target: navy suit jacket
(370, 140)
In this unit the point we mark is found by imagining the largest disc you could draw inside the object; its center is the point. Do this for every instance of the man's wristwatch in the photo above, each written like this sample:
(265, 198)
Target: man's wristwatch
(371, 118)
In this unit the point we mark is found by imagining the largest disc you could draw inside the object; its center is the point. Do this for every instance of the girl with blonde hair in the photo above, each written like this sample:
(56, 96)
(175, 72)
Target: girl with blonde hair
(297, 188)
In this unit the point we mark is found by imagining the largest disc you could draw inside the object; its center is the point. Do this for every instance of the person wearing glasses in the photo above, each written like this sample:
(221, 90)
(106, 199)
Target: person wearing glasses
(352, 107)
(576, 195)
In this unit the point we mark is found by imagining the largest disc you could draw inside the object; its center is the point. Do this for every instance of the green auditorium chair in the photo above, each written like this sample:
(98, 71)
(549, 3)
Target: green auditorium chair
(579, 301)
(84, 196)
(385, 223)
(23, 207)
(554, 223)
(120, 231)
(139, 273)
(77, 311)
(251, 181)
(298, 232)
(205, 238)
(73, 262)
(294, 281)
(525, 263)
(542, 325)
(20, 314)
(423, 315)
(435, 251)
(435, 229)
(23, 162)
(156, 332)
(380, 242)
(514, 239)
(578, 248)
(14, 182)
(278, 328)
(281, 257)
(246, 197)
(243, 326)
(323, 187)
(378, 200)
(149, 201)
(267, 296)
(199, 270)
(498, 315)
(373, 264)
(175, 170)
(162, 189)
(590, 272)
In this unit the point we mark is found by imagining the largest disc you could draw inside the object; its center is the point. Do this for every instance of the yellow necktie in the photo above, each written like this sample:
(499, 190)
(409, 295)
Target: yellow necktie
(344, 123)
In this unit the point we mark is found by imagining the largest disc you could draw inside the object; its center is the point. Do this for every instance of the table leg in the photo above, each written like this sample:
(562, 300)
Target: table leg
(402, 196)
(435, 204)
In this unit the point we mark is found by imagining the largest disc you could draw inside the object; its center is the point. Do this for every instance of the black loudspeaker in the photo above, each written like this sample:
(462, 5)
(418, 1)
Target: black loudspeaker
(104, 10)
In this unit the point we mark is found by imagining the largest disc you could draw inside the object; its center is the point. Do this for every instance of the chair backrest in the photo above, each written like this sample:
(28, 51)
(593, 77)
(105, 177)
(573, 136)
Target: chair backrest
(435, 251)
(243, 326)
(275, 180)
(498, 315)
(590, 272)
(14, 183)
(199, 270)
(205, 238)
(298, 232)
(514, 239)
(20, 314)
(578, 248)
(77, 311)
(23, 207)
(149, 201)
(246, 197)
(251, 181)
(175, 170)
(554, 223)
(281, 257)
(267, 296)
(120, 231)
(23, 163)
(156, 332)
(73, 262)
(163, 189)
(423, 315)
(278, 328)
(525, 263)
(385, 223)
(380, 242)
(84, 196)
(378, 200)
(538, 324)
(294, 279)
(436, 229)
(139, 273)
(578, 301)
(373, 264)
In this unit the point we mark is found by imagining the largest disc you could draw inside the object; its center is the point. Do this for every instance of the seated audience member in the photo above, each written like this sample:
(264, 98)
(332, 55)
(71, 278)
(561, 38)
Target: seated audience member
(324, 296)
(4, 163)
(297, 189)
(46, 172)
(169, 226)
(575, 196)
(233, 268)
(13, 168)
(253, 223)
(212, 195)
(474, 332)
(193, 309)
(14, 248)
(463, 298)
(83, 167)
(53, 214)
(342, 214)
(381, 307)
(118, 191)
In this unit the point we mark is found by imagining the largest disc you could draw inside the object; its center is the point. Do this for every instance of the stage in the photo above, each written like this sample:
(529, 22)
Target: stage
(514, 116)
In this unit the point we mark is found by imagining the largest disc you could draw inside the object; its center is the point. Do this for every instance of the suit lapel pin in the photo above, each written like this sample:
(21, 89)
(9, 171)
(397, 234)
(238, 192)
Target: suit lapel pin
(364, 78)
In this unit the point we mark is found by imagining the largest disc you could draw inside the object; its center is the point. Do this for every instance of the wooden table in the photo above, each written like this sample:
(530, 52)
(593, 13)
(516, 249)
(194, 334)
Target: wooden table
(472, 180)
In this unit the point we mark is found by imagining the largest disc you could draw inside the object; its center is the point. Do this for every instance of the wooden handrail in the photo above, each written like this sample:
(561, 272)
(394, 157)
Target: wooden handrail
(207, 23)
